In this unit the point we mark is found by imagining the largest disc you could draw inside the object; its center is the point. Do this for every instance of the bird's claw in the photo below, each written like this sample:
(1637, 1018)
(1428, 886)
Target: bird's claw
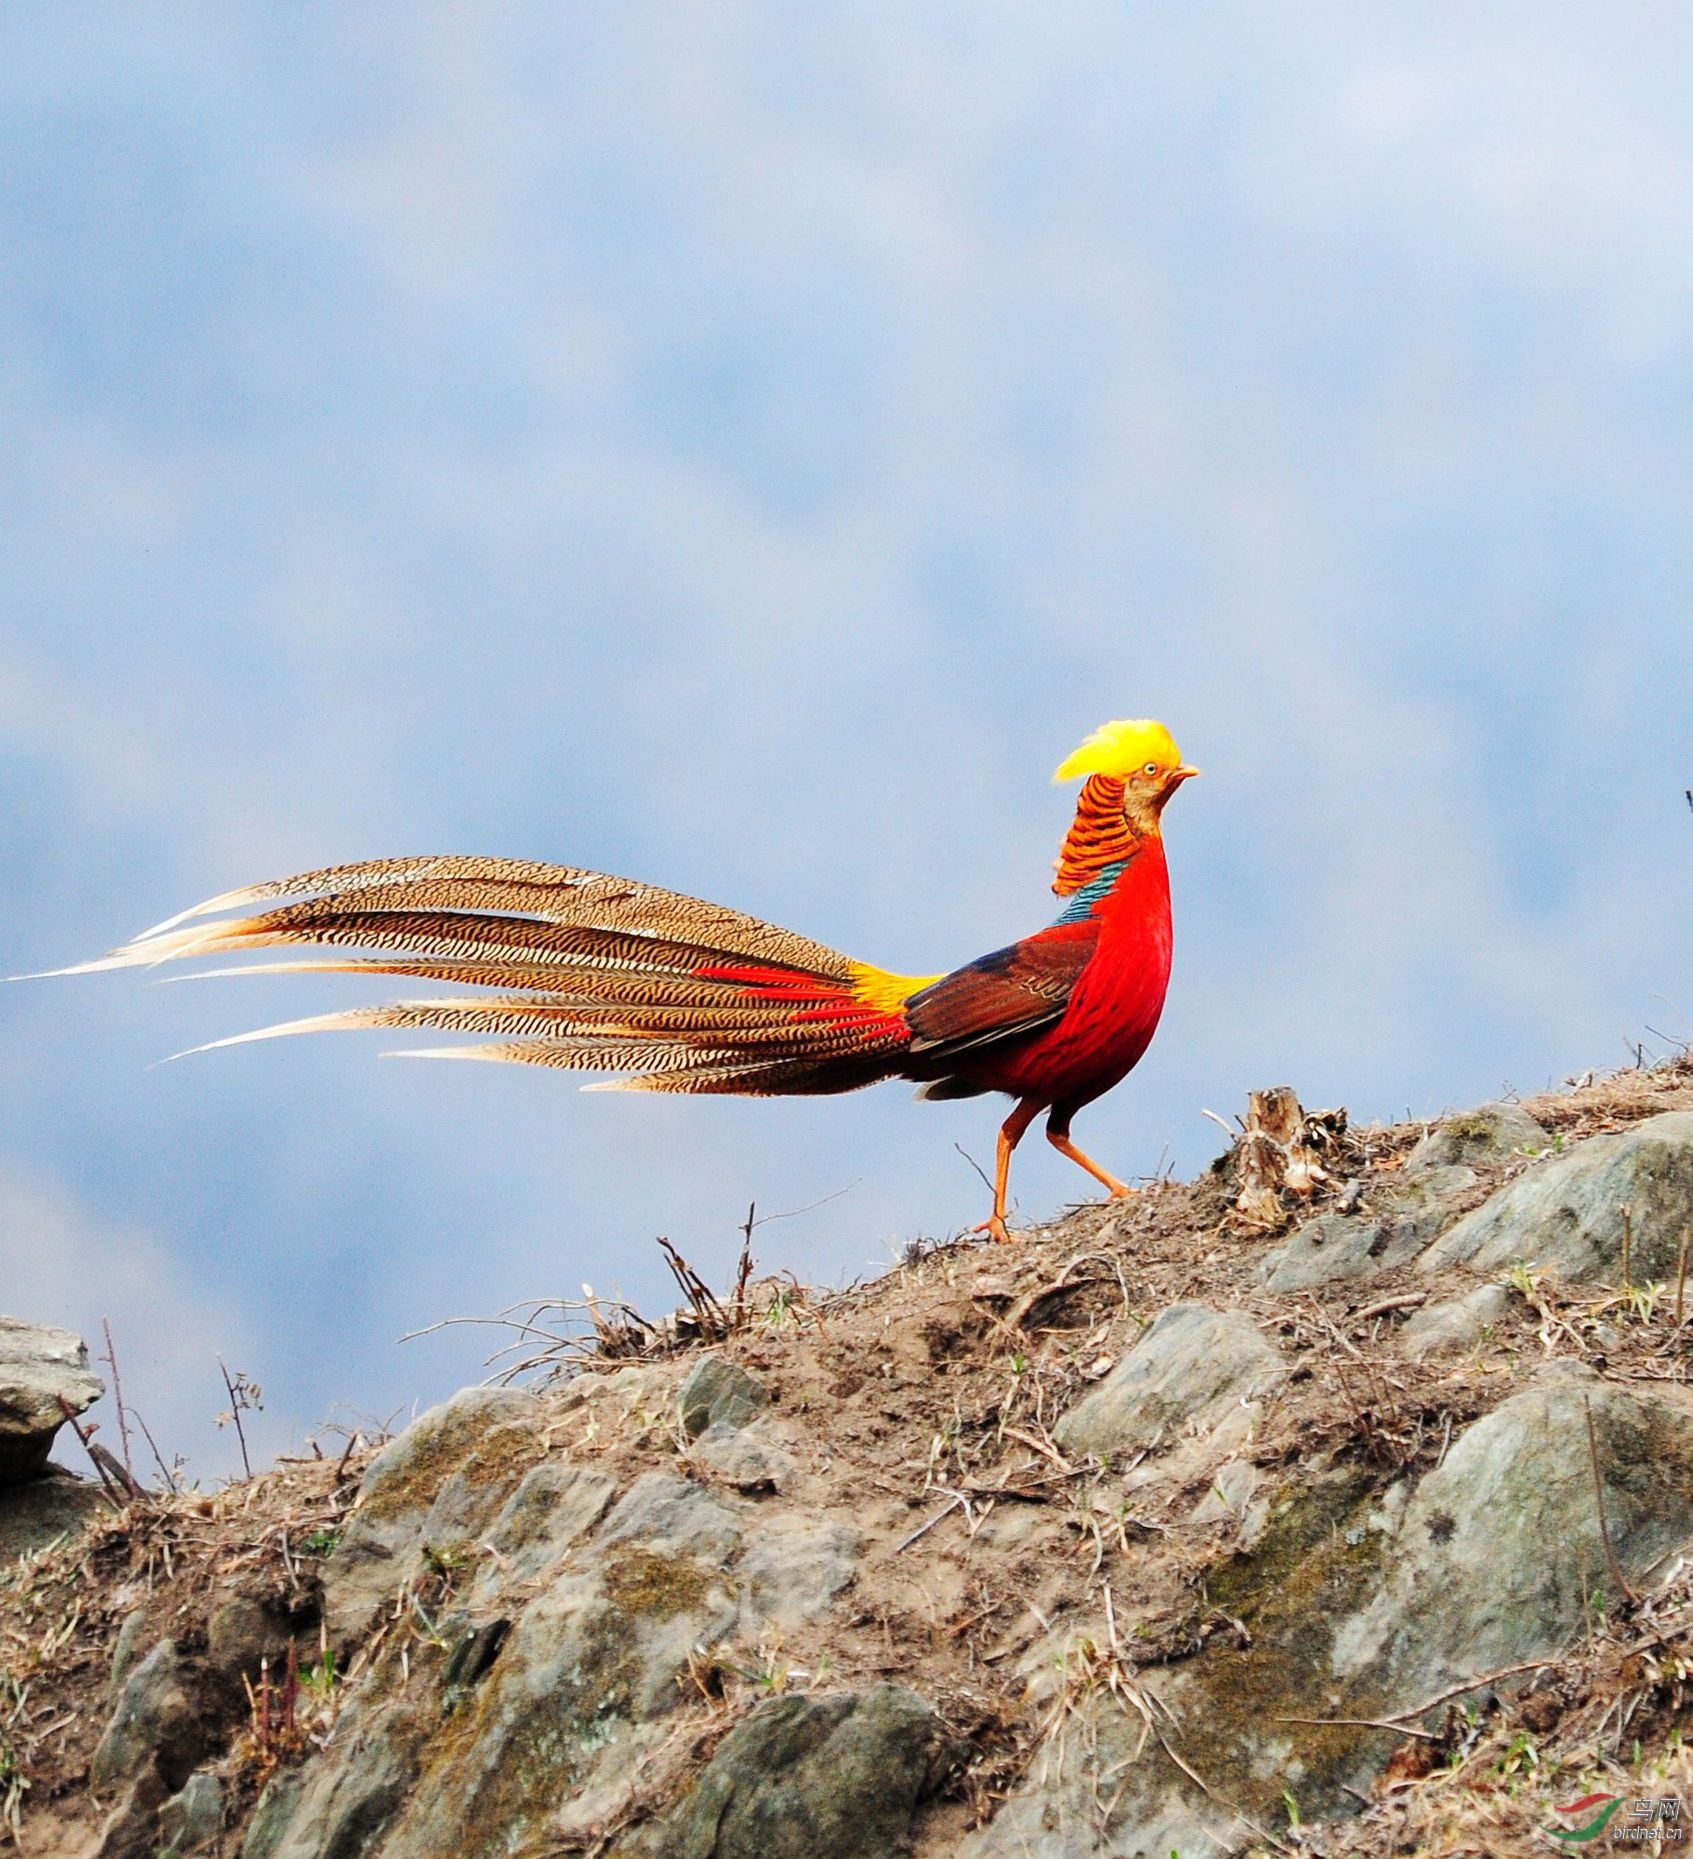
(996, 1229)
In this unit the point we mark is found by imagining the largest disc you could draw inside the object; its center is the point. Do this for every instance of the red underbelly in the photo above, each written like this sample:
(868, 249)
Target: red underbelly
(1107, 1025)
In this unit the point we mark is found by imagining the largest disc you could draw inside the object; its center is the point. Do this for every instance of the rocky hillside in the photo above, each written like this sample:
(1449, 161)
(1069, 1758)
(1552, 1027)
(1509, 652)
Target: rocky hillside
(1340, 1501)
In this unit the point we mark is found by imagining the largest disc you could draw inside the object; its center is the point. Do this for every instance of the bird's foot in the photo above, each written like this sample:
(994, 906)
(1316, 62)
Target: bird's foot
(1121, 1191)
(996, 1229)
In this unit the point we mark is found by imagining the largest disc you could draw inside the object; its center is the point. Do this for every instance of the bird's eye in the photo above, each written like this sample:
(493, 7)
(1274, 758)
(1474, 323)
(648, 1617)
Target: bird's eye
(1151, 768)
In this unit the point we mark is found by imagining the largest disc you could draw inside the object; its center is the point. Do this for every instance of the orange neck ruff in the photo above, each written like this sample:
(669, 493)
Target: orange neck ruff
(1098, 836)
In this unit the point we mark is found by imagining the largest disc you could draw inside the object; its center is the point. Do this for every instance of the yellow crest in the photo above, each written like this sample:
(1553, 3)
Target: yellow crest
(1119, 748)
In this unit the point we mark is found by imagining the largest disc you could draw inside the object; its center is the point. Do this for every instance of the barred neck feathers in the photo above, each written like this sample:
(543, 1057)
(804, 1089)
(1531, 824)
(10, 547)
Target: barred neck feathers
(1101, 837)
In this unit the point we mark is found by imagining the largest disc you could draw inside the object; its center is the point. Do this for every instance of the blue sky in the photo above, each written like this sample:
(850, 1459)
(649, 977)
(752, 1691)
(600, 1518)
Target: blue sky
(746, 448)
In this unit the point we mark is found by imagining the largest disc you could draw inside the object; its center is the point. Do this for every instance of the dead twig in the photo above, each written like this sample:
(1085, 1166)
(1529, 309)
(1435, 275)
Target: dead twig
(1230, 1130)
(239, 1392)
(171, 1482)
(1363, 1723)
(110, 1358)
(1469, 1684)
(116, 1489)
(1407, 1300)
(923, 1529)
(1599, 1500)
(1066, 1469)
(743, 1267)
(975, 1165)
(1018, 1314)
(712, 1319)
(120, 1474)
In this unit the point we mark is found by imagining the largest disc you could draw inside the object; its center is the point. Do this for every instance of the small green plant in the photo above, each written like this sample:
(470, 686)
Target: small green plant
(1521, 1278)
(322, 1676)
(447, 1563)
(1520, 1756)
(321, 1542)
(1643, 1300)
(14, 1783)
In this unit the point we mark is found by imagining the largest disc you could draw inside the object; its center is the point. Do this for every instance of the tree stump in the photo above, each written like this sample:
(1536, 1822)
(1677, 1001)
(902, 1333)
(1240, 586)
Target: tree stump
(1281, 1154)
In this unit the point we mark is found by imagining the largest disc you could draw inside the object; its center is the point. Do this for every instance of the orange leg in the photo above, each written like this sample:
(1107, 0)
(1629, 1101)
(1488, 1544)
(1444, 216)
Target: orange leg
(1010, 1135)
(1058, 1134)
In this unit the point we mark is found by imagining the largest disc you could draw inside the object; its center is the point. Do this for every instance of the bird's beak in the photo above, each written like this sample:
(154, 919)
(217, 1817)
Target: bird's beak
(1184, 773)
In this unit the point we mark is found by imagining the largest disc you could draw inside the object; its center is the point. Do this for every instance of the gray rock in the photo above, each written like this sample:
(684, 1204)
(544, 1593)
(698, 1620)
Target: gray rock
(584, 1686)
(128, 1647)
(554, 1506)
(742, 1460)
(1458, 1323)
(38, 1365)
(1188, 1370)
(1318, 1550)
(345, 1801)
(1500, 1549)
(38, 1513)
(471, 1659)
(793, 1567)
(449, 1472)
(1363, 1605)
(152, 1726)
(1427, 1193)
(272, 1813)
(804, 1776)
(1489, 1133)
(630, 1388)
(1573, 1211)
(718, 1393)
(671, 1517)
(192, 1819)
(1230, 1497)
(1063, 1815)
(130, 1830)
(1335, 1247)
(240, 1634)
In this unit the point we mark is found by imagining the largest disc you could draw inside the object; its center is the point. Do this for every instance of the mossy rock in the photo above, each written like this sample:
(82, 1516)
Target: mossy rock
(1473, 1138)
(803, 1777)
(1614, 1207)
(1191, 1366)
(719, 1393)
(440, 1483)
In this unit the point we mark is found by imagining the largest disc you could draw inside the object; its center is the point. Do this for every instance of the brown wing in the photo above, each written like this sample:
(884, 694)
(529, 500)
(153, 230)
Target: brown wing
(1001, 996)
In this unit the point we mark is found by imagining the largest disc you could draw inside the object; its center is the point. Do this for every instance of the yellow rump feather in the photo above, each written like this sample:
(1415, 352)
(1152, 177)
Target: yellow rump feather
(1119, 748)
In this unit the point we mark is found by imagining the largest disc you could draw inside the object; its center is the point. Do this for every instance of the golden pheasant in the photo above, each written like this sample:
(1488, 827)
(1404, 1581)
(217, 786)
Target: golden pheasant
(595, 973)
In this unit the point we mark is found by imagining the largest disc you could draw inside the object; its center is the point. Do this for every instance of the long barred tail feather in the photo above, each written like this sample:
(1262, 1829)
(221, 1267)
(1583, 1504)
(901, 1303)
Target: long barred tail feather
(592, 972)
(556, 893)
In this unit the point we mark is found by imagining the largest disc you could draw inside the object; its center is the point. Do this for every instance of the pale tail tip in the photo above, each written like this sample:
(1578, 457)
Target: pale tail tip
(439, 1052)
(317, 1023)
(230, 900)
(118, 959)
